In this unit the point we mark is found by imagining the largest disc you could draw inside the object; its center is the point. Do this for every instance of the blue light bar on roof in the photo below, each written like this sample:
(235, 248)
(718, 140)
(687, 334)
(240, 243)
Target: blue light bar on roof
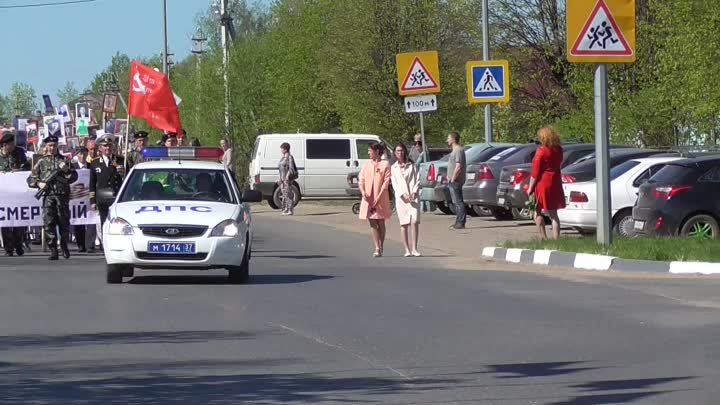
(182, 152)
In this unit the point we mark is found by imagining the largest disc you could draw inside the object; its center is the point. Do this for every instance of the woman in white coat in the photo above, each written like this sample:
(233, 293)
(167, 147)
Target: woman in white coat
(407, 200)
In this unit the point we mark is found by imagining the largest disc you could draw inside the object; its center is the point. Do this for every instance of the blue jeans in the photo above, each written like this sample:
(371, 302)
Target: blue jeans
(457, 198)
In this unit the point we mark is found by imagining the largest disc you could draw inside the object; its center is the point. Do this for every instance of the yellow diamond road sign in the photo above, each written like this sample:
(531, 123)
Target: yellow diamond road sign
(418, 73)
(601, 31)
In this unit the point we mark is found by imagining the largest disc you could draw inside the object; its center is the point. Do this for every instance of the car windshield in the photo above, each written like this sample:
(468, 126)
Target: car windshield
(622, 168)
(178, 185)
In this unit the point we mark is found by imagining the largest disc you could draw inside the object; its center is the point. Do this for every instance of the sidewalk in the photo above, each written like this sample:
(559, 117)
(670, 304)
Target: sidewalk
(435, 237)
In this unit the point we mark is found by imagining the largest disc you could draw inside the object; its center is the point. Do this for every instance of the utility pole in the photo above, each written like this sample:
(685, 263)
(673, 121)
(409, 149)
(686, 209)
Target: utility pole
(165, 38)
(486, 57)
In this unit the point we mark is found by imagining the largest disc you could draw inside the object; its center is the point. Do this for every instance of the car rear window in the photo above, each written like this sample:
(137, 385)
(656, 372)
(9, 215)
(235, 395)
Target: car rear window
(622, 168)
(484, 155)
(675, 174)
(505, 154)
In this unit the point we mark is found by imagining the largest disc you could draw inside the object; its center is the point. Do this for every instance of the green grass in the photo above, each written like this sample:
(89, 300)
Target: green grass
(657, 249)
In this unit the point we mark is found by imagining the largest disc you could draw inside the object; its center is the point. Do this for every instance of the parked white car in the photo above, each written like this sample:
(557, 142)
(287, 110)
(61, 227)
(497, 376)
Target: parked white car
(625, 179)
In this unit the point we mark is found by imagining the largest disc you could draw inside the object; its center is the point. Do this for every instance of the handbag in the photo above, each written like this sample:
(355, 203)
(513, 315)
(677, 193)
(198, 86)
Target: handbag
(292, 169)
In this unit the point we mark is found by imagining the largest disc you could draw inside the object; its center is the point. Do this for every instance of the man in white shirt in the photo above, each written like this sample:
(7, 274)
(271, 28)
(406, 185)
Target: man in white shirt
(227, 156)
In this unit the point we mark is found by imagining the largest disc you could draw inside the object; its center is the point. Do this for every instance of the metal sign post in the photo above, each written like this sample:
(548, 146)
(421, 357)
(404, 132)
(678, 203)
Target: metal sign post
(601, 32)
(422, 135)
(486, 57)
(602, 156)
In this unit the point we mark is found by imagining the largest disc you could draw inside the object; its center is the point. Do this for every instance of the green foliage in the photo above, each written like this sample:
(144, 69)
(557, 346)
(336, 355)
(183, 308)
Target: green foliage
(329, 66)
(22, 99)
(68, 93)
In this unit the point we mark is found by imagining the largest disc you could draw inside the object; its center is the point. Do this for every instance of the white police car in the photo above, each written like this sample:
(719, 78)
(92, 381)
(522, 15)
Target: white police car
(179, 212)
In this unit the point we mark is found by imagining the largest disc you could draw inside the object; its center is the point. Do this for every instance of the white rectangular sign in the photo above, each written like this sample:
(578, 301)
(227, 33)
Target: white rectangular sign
(18, 206)
(416, 104)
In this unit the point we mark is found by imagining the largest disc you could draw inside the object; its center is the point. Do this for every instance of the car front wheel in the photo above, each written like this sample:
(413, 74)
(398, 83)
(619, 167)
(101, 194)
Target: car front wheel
(241, 274)
(114, 273)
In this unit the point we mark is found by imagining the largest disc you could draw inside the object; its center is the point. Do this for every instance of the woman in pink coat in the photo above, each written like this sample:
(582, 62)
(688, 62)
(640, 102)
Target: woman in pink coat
(374, 182)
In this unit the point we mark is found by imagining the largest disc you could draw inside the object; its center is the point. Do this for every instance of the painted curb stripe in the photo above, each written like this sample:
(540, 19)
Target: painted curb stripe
(542, 257)
(694, 268)
(489, 252)
(514, 255)
(592, 262)
(586, 261)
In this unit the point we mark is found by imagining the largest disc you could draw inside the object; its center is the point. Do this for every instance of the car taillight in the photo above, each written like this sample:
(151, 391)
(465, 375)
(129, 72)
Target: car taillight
(659, 223)
(485, 173)
(431, 174)
(568, 179)
(578, 197)
(667, 193)
(257, 179)
(519, 177)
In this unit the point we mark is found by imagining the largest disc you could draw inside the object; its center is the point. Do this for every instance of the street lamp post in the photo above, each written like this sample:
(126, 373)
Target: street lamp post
(165, 38)
(198, 49)
(225, 19)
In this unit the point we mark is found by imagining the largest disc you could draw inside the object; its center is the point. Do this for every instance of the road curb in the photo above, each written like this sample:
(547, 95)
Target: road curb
(584, 261)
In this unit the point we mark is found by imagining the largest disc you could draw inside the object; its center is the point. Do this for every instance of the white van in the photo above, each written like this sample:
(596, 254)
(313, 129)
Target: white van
(323, 161)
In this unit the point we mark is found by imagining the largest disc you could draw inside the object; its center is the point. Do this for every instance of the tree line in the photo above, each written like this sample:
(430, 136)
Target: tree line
(329, 66)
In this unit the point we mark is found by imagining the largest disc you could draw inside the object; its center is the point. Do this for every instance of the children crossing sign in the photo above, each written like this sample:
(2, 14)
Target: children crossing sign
(418, 73)
(488, 82)
(601, 31)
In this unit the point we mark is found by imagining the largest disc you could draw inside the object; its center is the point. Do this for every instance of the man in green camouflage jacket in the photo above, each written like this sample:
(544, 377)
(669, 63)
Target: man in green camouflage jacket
(135, 156)
(56, 203)
(12, 159)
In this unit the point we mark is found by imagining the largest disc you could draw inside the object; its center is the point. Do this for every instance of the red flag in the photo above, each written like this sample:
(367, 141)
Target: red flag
(152, 99)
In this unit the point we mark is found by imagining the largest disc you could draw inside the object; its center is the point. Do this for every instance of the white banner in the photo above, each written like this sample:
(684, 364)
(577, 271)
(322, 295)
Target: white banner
(18, 206)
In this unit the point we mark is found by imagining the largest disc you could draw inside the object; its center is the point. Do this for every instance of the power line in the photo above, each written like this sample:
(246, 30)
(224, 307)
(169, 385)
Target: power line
(59, 3)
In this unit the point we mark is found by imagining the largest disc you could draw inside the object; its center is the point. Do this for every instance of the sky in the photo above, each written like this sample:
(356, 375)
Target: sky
(48, 46)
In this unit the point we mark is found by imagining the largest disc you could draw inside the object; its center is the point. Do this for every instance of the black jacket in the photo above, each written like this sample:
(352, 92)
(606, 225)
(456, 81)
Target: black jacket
(104, 179)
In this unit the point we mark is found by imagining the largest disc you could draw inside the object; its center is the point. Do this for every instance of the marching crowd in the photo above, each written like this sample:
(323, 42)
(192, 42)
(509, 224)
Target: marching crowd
(52, 172)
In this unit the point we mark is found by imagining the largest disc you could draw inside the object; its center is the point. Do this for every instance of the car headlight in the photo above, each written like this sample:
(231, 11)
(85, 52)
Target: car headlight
(119, 226)
(226, 228)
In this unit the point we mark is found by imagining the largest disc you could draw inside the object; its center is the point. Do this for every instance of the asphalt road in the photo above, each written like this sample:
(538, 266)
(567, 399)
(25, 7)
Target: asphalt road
(324, 323)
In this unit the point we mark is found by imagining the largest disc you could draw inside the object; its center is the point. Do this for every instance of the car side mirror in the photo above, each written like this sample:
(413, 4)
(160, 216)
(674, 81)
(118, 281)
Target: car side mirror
(251, 196)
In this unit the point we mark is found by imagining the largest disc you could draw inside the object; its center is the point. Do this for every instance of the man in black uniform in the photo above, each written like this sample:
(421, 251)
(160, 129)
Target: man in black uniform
(105, 180)
(12, 159)
(53, 174)
(135, 156)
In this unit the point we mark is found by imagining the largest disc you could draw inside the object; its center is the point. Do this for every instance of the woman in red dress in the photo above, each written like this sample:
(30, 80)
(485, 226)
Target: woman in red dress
(546, 181)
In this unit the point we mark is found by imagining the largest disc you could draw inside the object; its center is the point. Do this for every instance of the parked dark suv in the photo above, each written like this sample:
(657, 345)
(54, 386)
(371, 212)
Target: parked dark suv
(515, 180)
(682, 199)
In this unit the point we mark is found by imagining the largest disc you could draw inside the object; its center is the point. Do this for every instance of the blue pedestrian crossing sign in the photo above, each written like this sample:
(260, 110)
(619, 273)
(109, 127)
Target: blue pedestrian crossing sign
(488, 81)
